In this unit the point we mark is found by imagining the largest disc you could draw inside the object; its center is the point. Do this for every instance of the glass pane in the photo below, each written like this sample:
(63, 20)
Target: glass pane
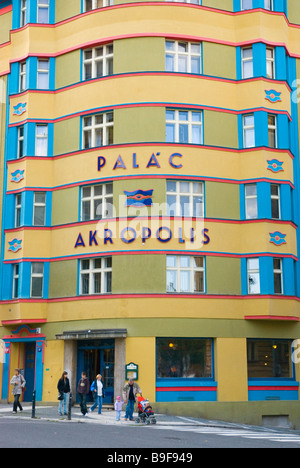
(247, 69)
(37, 268)
(183, 116)
(170, 63)
(109, 135)
(86, 192)
(85, 284)
(170, 115)
(198, 206)
(170, 133)
(110, 66)
(39, 216)
(85, 265)
(182, 47)
(198, 281)
(184, 187)
(183, 133)
(171, 186)
(170, 45)
(185, 206)
(99, 136)
(269, 359)
(196, 135)
(253, 283)
(277, 283)
(171, 261)
(249, 120)
(198, 262)
(251, 208)
(249, 138)
(253, 264)
(97, 283)
(182, 63)
(185, 277)
(107, 282)
(108, 188)
(43, 15)
(88, 71)
(98, 209)
(40, 197)
(86, 210)
(171, 205)
(97, 190)
(171, 281)
(88, 54)
(251, 189)
(195, 65)
(196, 116)
(37, 287)
(185, 262)
(43, 81)
(275, 208)
(99, 68)
(87, 139)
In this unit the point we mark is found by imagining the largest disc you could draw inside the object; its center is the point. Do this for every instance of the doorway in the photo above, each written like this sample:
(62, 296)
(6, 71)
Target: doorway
(97, 357)
(29, 370)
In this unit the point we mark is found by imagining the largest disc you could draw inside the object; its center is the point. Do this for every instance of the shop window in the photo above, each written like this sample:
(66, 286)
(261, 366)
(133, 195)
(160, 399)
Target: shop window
(96, 202)
(183, 126)
(185, 198)
(183, 57)
(95, 275)
(98, 130)
(98, 62)
(184, 358)
(269, 359)
(185, 274)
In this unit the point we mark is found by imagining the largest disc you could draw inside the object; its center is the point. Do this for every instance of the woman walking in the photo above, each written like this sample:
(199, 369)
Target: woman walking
(97, 389)
(18, 383)
(64, 389)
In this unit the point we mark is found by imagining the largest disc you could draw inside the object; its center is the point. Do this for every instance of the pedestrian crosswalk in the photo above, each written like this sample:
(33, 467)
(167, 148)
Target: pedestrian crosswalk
(267, 435)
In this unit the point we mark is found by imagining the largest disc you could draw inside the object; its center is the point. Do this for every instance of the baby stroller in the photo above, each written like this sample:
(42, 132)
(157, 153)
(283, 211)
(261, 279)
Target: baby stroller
(145, 413)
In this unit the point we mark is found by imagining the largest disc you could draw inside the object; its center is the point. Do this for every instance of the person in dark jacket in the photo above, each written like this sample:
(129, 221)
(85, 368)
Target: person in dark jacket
(83, 390)
(64, 389)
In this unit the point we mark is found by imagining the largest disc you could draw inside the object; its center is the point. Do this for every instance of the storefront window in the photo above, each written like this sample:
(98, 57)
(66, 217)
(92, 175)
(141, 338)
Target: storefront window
(184, 358)
(269, 359)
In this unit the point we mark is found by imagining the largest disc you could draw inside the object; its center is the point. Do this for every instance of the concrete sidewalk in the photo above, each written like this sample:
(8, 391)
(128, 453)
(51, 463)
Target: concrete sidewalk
(108, 417)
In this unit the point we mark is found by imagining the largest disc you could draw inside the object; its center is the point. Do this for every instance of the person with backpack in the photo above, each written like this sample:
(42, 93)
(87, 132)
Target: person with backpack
(98, 392)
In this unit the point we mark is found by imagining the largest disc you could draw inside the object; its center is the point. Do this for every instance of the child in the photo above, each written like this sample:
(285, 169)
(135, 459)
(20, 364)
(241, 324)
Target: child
(118, 407)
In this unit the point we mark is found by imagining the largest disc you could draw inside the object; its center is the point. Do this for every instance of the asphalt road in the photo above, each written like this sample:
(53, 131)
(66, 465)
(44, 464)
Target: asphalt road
(48, 434)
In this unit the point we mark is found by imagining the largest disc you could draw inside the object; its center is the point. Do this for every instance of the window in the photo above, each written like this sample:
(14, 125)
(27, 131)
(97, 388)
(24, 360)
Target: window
(21, 141)
(272, 133)
(248, 131)
(247, 63)
(184, 358)
(16, 270)
(95, 275)
(184, 127)
(277, 271)
(253, 276)
(246, 4)
(22, 83)
(37, 277)
(275, 201)
(185, 274)
(98, 130)
(43, 11)
(251, 201)
(97, 202)
(268, 5)
(43, 74)
(23, 13)
(183, 57)
(18, 209)
(41, 140)
(185, 198)
(94, 4)
(269, 359)
(39, 209)
(270, 63)
(98, 62)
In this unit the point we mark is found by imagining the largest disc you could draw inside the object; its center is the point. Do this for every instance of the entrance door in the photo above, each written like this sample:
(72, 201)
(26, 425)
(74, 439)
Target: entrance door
(98, 357)
(29, 371)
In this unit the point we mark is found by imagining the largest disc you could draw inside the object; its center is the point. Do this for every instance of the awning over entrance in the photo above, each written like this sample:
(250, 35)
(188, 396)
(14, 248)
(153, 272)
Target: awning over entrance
(93, 334)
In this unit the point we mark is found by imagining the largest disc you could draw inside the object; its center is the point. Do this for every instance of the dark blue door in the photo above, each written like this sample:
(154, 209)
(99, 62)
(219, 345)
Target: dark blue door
(29, 370)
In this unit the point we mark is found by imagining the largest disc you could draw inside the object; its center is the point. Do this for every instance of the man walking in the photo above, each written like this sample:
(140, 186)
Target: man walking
(83, 390)
(129, 396)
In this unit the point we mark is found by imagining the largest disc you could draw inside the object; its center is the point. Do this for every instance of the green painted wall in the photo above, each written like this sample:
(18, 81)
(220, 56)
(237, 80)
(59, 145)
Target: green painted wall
(220, 4)
(67, 69)
(66, 9)
(63, 279)
(139, 54)
(66, 136)
(223, 275)
(139, 124)
(220, 129)
(65, 206)
(5, 27)
(222, 200)
(219, 60)
(293, 11)
(139, 274)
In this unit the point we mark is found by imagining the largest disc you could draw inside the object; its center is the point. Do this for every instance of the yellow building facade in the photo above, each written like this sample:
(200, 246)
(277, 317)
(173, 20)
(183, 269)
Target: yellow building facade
(150, 211)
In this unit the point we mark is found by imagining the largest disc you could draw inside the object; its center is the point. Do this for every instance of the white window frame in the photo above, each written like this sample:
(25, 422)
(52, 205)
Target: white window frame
(106, 125)
(16, 279)
(23, 13)
(18, 209)
(270, 63)
(179, 194)
(22, 80)
(104, 270)
(276, 197)
(248, 128)
(191, 269)
(189, 55)
(176, 122)
(36, 275)
(43, 138)
(105, 198)
(266, 7)
(43, 71)
(250, 197)
(21, 140)
(253, 272)
(278, 271)
(95, 6)
(246, 60)
(106, 58)
(42, 5)
(37, 204)
(272, 128)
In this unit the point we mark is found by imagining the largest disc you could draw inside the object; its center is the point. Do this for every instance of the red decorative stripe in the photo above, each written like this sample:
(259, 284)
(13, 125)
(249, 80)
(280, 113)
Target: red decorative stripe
(273, 388)
(186, 389)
